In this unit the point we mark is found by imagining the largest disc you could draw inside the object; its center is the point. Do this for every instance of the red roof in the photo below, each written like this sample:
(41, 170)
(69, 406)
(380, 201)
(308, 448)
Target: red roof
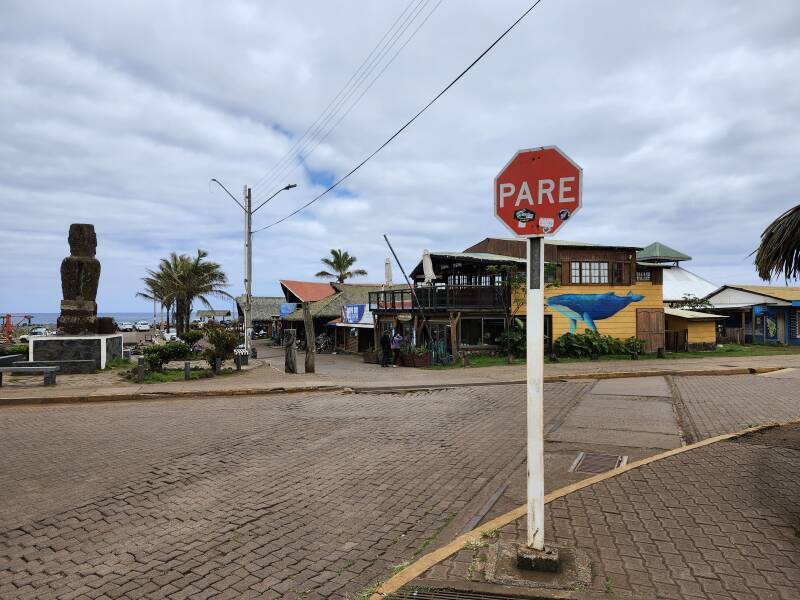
(308, 291)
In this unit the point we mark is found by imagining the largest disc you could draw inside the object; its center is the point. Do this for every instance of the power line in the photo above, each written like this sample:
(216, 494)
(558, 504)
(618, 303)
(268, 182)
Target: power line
(409, 122)
(335, 103)
(354, 103)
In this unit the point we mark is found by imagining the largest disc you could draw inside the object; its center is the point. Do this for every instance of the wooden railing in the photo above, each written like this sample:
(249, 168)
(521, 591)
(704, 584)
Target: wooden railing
(448, 297)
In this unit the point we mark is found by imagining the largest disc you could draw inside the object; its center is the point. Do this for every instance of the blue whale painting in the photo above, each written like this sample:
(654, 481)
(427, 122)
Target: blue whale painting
(590, 307)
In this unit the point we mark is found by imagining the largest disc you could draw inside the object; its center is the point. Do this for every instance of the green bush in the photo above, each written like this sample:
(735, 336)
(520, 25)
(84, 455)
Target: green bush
(512, 341)
(157, 355)
(191, 336)
(591, 343)
(223, 343)
(14, 349)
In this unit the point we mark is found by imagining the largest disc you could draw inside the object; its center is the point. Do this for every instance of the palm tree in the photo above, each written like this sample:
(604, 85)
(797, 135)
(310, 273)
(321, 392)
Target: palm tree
(340, 263)
(155, 290)
(181, 280)
(779, 251)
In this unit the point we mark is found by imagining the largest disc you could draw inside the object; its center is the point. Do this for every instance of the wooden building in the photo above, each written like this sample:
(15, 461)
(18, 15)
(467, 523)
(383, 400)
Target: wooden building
(589, 286)
(760, 314)
(690, 329)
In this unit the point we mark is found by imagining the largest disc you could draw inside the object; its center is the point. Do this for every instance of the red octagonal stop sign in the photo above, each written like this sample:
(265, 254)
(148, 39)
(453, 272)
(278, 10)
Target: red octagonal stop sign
(537, 191)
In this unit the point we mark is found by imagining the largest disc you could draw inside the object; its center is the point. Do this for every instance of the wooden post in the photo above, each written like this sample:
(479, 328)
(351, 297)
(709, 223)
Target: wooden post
(290, 358)
(311, 345)
(187, 372)
(140, 370)
(454, 334)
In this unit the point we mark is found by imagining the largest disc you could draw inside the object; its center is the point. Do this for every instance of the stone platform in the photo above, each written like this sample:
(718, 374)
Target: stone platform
(99, 348)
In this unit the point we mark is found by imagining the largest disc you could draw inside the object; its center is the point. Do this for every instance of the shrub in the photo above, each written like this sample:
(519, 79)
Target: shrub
(512, 341)
(591, 343)
(14, 349)
(158, 355)
(191, 336)
(223, 343)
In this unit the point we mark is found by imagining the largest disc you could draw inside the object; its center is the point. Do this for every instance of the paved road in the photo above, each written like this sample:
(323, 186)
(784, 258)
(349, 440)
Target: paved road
(307, 496)
(311, 496)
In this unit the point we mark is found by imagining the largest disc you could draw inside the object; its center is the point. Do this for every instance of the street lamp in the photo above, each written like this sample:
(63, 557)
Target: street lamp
(247, 207)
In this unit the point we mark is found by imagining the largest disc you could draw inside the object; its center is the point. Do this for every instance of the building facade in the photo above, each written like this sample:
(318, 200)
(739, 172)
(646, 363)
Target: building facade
(465, 299)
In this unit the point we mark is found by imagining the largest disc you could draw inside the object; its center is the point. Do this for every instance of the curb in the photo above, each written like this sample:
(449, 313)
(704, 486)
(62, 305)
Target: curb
(166, 394)
(414, 570)
(78, 398)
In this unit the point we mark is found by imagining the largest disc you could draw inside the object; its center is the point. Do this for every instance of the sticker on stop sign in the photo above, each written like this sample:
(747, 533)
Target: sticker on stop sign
(537, 191)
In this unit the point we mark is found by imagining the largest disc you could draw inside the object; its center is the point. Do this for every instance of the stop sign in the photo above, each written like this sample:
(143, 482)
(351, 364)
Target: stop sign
(537, 191)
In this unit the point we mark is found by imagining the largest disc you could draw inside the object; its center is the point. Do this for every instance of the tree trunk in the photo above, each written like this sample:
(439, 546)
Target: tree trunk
(311, 346)
(510, 356)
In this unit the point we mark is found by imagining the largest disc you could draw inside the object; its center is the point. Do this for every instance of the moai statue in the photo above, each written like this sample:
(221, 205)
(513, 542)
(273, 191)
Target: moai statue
(80, 274)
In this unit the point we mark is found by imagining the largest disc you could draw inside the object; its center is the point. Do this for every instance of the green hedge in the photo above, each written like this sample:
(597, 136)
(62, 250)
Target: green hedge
(591, 343)
(14, 349)
(158, 355)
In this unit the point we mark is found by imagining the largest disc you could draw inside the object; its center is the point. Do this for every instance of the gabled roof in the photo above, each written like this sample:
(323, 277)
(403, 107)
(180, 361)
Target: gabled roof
(691, 315)
(661, 252)
(779, 292)
(306, 291)
(679, 282)
(344, 293)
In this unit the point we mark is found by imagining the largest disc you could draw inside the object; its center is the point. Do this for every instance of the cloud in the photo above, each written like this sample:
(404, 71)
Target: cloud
(685, 122)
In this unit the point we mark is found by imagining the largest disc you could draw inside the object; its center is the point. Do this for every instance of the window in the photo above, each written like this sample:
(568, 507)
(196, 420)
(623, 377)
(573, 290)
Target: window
(471, 333)
(551, 272)
(643, 275)
(589, 272)
(481, 332)
(796, 327)
(491, 329)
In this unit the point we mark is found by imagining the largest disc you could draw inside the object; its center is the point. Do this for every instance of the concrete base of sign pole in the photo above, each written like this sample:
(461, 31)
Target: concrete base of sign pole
(530, 559)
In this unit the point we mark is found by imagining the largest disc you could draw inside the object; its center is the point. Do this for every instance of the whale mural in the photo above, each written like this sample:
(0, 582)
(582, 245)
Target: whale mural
(590, 307)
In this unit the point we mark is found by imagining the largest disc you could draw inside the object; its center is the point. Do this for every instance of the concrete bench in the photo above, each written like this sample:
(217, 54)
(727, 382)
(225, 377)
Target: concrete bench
(49, 373)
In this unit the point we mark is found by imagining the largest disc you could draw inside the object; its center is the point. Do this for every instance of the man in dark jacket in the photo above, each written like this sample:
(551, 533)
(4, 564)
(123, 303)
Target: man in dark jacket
(386, 349)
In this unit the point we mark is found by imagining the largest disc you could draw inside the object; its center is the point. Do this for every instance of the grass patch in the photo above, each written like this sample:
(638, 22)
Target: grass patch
(728, 350)
(170, 375)
(118, 363)
(481, 360)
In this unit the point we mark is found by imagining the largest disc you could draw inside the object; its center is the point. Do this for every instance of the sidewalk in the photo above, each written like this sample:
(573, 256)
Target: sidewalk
(717, 521)
(348, 371)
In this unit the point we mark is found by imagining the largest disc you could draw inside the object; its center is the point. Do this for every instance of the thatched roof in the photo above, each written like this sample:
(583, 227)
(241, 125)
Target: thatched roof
(264, 307)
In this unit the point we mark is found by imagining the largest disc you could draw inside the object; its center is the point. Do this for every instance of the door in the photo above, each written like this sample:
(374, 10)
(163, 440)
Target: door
(782, 327)
(650, 328)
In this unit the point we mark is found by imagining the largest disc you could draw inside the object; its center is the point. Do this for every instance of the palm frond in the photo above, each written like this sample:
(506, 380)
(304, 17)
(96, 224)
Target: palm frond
(779, 251)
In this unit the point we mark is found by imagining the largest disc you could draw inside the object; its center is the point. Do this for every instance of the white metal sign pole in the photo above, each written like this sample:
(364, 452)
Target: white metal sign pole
(535, 403)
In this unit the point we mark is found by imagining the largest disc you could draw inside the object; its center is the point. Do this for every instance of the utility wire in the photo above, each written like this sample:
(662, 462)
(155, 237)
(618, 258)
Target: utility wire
(409, 122)
(319, 141)
(336, 99)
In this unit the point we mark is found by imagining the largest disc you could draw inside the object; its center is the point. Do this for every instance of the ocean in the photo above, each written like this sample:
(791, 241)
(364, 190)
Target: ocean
(119, 317)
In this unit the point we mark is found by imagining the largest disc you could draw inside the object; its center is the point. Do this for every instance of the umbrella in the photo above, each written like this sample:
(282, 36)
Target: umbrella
(388, 272)
(427, 266)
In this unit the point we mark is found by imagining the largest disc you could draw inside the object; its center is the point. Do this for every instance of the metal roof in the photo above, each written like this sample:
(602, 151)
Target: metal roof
(658, 251)
(692, 315)
(479, 257)
(679, 282)
(306, 291)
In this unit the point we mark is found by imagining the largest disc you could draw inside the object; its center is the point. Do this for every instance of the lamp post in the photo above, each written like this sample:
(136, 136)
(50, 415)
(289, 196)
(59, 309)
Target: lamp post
(247, 207)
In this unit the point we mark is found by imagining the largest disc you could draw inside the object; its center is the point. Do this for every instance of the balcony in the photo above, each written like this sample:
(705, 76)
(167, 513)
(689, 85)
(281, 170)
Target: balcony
(439, 298)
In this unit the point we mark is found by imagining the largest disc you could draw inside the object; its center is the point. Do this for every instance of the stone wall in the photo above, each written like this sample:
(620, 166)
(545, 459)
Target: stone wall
(64, 348)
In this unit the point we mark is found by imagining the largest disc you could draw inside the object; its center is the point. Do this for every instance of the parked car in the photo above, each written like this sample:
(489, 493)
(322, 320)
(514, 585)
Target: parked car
(142, 326)
(126, 326)
(170, 335)
(36, 331)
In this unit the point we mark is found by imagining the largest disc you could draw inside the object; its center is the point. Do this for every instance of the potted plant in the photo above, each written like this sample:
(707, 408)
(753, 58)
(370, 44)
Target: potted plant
(417, 357)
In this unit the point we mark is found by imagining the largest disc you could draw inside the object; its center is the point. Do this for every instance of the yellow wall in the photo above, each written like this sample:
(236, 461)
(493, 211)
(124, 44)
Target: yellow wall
(699, 332)
(622, 324)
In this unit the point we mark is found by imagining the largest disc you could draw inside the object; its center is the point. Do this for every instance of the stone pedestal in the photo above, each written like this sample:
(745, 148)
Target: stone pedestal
(537, 560)
(64, 349)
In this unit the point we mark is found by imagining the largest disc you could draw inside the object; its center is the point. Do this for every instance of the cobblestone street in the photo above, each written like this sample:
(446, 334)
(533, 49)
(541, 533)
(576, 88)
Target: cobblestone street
(320, 495)
(287, 496)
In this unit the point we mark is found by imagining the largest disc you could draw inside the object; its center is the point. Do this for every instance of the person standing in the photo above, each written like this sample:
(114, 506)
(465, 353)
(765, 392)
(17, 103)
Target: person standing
(386, 348)
(397, 341)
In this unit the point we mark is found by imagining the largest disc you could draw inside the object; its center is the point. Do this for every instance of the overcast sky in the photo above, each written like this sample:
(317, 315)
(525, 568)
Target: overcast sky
(683, 115)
